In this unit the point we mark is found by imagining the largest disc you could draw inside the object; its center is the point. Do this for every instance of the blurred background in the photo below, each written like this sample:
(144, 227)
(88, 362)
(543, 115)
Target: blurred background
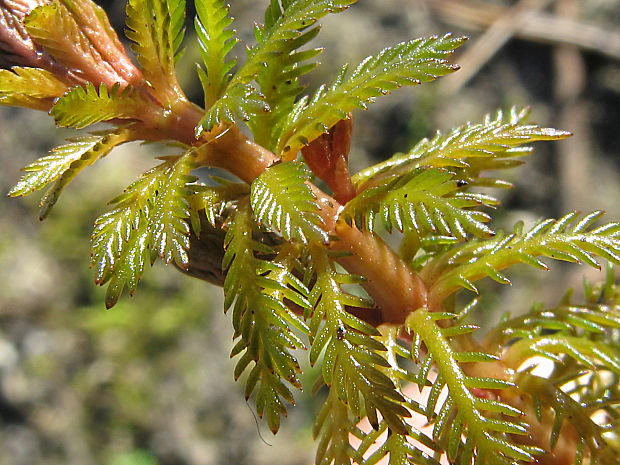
(149, 382)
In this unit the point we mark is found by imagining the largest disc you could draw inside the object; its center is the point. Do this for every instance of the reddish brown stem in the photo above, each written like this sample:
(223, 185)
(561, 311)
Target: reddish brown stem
(396, 289)
(168, 115)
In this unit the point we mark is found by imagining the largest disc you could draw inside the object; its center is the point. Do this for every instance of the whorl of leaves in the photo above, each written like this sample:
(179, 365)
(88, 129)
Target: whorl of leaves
(281, 280)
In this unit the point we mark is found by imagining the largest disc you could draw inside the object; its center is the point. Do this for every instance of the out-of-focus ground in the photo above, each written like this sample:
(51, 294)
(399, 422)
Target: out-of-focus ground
(150, 382)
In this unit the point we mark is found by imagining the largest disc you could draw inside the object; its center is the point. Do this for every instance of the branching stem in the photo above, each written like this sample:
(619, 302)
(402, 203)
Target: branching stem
(396, 289)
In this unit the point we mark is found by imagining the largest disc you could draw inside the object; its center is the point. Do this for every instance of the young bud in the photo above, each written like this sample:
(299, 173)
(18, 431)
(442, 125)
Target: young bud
(16, 46)
(72, 40)
(328, 158)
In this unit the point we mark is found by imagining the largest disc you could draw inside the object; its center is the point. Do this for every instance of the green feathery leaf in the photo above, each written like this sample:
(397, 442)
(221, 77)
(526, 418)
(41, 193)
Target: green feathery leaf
(257, 289)
(495, 143)
(408, 63)
(156, 28)
(169, 217)
(347, 342)
(282, 200)
(53, 27)
(213, 200)
(461, 425)
(239, 103)
(352, 364)
(428, 200)
(279, 77)
(121, 237)
(81, 107)
(285, 30)
(216, 41)
(150, 218)
(566, 409)
(63, 164)
(279, 84)
(29, 87)
(569, 239)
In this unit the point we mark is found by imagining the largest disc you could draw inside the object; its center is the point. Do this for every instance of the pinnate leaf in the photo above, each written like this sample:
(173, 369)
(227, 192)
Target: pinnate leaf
(428, 200)
(352, 361)
(169, 217)
(149, 219)
(282, 200)
(590, 433)
(30, 87)
(256, 290)
(568, 239)
(121, 237)
(81, 107)
(216, 41)
(408, 63)
(494, 143)
(282, 62)
(63, 164)
(332, 428)
(52, 26)
(156, 28)
(282, 30)
(460, 422)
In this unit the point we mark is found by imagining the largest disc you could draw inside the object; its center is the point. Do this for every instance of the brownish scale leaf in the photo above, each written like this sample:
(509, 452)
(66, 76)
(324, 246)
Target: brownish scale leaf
(328, 157)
